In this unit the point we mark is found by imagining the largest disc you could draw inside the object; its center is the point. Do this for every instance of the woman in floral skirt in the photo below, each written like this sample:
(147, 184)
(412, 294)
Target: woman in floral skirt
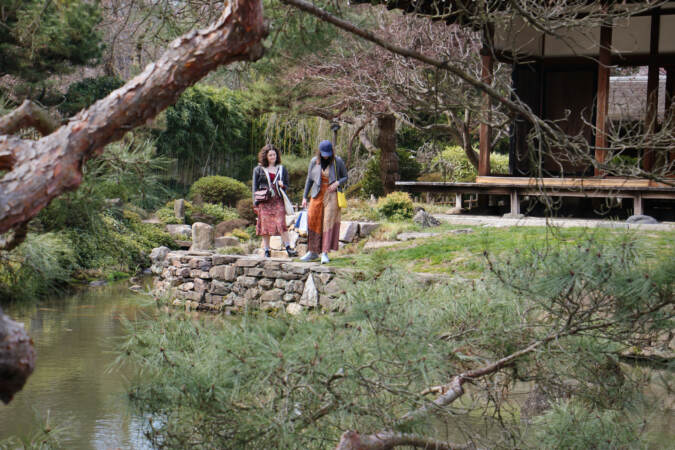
(269, 174)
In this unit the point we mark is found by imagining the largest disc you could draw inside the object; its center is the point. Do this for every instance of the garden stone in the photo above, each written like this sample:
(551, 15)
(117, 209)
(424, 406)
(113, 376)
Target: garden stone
(327, 303)
(268, 306)
(187, 286)
(200, 285)
(296, 286)
(220, 287)
(275, 295)
(293, 309)
(226, 241)
(229, 299)
(223, 259)
(158, 255)
(378, 244)
(247, 262)
(181, 231)
(462, 231)
(414, 235)
(202, 236)
(179, 209)
(288, 298)
(641, 218)
(365, 228)
(272, 265)
(252, 293)
(325, 278)
(348, 231)
(310, 296)
(254, 272)
(280, 284)
(246, 281)
(266, 283)
(425, 219)
(333, 288)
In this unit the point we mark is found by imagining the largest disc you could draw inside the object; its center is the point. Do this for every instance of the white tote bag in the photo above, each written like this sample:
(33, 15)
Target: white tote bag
(287, 202)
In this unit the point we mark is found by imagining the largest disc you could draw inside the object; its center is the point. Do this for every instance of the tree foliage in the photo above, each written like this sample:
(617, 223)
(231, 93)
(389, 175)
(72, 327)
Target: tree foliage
(42, 37)
(207, 133)
(83, 93)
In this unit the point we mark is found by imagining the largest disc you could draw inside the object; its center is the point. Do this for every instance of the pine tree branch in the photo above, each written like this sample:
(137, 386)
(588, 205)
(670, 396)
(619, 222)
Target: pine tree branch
(29, 114)
(352, 440)
(44, 169)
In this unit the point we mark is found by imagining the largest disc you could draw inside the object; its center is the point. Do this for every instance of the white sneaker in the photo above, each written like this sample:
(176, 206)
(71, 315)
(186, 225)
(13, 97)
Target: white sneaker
(324, 258)
(309, 256)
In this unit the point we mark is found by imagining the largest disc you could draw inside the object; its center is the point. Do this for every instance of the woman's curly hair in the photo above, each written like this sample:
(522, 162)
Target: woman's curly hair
(262, 155)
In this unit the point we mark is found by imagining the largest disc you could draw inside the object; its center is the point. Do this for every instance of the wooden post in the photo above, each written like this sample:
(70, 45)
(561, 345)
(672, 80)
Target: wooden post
(652, 90)
(485, 132)
(637, 205)
(458, 200)
(515, 203)
(669, 113)
(604, 61)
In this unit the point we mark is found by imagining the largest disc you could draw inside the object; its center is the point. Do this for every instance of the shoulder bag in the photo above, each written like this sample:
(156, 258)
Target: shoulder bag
(264, 194)
(341, 198)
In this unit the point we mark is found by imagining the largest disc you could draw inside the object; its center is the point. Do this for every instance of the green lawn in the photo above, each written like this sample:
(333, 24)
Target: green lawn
(463, 253)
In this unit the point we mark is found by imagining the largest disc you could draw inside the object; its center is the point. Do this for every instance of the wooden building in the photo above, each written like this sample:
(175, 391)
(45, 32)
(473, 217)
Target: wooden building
(565, 76)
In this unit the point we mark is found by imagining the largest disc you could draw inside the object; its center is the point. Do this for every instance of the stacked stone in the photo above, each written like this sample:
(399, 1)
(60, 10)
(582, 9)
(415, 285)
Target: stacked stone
(208, 281)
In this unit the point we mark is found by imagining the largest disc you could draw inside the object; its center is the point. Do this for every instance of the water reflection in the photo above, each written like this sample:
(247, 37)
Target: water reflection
(74, 338)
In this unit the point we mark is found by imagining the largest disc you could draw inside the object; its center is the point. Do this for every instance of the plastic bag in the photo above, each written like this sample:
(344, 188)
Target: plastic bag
(301, 222)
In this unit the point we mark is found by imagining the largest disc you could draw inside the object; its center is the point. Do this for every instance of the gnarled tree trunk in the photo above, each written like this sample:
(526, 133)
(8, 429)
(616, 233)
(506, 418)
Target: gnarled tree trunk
(386, 141)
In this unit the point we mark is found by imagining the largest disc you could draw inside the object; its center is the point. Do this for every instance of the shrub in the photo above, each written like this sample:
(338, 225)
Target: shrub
(41, 264)
(454, 166)
(84, 93)
(240, 234)
(167, 216)
(219, 189)
(216, 213)
(245, 209)
(396, 206)
(227, 226)
(408, 168)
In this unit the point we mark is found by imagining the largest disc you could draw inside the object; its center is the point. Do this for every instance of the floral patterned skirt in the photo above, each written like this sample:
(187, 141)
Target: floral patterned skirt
(271, 217)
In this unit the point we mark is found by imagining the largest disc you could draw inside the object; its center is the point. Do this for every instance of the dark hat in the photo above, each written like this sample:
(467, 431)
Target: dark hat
(326, 148)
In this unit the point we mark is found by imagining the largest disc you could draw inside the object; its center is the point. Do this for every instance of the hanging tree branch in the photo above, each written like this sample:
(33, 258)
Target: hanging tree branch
(41, 170)
(29, 114)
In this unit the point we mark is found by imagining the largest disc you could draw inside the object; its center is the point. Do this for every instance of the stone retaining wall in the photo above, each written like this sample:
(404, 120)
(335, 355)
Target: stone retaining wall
(213, 282)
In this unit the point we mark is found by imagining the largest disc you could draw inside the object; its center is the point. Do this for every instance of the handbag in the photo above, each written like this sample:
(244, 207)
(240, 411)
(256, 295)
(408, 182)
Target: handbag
(262, 195)
(341, 198)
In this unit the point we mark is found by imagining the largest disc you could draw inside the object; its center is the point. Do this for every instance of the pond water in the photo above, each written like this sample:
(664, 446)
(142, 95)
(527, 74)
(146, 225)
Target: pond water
(72, 383)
